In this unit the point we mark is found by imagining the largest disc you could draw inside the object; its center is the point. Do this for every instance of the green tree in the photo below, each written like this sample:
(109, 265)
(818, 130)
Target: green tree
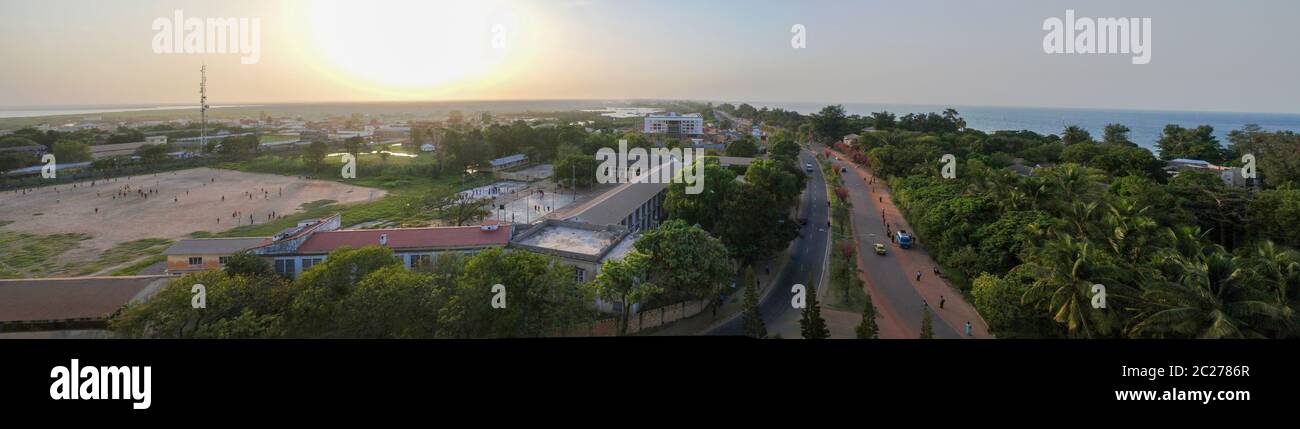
(235, 307)
(154, 154)
(744, 147)
(685, 261)
(13, 160)
(782, 146)
(247, 264)
(316, 309)
(354, 145)
(16, 141)
(540, 297)
(1192, 143)
(68, 151)
(705, 208)
(927, 324)
(883, 120)
(1066, 269)
(314, 155)
(830, 124)
(240, 148)
(391, 302)
(1208, 299)
(811, 324)
(868, 329)
(576, 167)
(1278, 161)
(1075, 134)
(1117, 134)
(755, 223)
(463, 209)
(624, 281)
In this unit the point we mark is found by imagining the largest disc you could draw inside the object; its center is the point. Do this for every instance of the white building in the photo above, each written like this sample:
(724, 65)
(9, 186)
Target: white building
(675, 125)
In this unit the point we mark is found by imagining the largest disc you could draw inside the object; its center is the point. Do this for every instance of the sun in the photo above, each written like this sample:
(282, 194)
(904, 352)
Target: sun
(412, 44)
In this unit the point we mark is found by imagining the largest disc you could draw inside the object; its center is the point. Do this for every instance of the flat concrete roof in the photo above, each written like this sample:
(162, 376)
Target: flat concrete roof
(570, 239)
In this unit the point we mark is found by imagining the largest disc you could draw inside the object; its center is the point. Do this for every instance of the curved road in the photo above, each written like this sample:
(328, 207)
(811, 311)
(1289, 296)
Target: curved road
(808, 255)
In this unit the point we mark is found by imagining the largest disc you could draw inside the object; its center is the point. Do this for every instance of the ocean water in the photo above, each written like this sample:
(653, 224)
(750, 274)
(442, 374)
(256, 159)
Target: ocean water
(1145, 125)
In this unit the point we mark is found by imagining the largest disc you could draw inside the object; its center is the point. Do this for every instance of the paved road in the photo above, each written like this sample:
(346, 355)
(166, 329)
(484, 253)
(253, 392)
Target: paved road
(898, 297)
(808, 256)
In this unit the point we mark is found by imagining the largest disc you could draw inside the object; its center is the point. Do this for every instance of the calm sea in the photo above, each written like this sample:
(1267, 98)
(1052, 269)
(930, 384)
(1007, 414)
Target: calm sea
(1146, 125)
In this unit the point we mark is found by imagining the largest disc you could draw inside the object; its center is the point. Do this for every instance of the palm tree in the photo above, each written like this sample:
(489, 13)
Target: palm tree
(1075, 134)
(1067, 269)
(1278, 269)
(1209, 299)
(1080, 216)
(1128, 230)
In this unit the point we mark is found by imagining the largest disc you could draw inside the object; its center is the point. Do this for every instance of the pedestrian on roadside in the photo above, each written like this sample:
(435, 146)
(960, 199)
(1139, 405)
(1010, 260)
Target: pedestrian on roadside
(918, 275)
(968, 328)
(941, 300)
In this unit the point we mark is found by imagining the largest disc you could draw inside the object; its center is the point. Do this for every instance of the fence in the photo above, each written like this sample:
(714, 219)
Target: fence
(645, 319)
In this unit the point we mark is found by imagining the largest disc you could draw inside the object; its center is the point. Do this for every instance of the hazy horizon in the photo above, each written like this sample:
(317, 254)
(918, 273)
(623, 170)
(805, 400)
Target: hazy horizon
(1206, 56)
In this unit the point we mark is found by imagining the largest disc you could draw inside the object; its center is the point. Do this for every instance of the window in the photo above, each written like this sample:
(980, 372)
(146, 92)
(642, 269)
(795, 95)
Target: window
(196, 260)
(580, 274)
(223, 260)
(421, 262)
(310, 262)
(285, 266)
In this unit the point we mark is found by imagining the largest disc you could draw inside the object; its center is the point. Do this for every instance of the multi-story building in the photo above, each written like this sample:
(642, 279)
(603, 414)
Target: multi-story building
(675, 125)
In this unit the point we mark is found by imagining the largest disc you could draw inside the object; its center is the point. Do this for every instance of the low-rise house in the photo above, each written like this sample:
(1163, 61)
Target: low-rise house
(296, 249)
(191, 255)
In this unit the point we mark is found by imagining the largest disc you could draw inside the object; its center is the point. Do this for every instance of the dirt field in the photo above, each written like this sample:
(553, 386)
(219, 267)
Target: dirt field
(173, 205)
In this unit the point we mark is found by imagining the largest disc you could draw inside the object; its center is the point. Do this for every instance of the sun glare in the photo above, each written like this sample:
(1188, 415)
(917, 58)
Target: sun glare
(410, 44)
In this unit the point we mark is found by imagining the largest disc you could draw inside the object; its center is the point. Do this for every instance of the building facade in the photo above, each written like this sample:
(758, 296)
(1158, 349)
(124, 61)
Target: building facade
(675, 125)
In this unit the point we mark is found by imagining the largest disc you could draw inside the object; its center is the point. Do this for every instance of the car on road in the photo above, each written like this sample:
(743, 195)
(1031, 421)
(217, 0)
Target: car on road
(808, 167)
(880, 249)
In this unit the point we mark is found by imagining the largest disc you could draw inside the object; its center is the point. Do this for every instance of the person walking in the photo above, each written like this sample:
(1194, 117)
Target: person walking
(968, 328)
(918, 275)
(941, 301)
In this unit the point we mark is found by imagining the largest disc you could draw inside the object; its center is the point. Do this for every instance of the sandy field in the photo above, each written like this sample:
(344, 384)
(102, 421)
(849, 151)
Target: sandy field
(180, 203)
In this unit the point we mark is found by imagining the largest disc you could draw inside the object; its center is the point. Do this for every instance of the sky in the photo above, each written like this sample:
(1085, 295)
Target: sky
(1205, 55)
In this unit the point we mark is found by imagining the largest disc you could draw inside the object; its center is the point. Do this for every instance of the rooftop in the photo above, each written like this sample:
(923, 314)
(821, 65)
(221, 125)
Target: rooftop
(572, 239)
(61, 299)
(407, 238)
(214, 246)
(616, 204)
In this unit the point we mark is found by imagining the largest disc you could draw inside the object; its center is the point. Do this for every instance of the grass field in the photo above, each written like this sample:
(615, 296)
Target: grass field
(134, 269)
(35, 255)
(276, 138)
(123, 253)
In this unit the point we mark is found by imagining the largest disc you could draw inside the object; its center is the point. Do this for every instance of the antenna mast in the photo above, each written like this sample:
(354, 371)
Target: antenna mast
(203, 105)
